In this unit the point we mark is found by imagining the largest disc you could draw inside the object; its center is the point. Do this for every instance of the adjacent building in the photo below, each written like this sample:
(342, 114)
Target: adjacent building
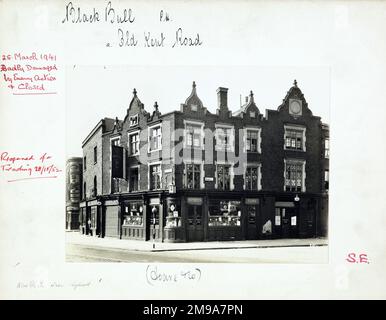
(193, 175)
(74, 174)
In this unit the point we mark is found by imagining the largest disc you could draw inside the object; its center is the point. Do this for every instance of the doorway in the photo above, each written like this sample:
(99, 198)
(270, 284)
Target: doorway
(195, 230)
(252, 222)
(288, 220)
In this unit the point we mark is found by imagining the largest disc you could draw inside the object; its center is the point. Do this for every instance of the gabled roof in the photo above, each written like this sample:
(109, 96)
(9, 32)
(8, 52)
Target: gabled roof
(244, 108)
(294, 92)
(193, 99)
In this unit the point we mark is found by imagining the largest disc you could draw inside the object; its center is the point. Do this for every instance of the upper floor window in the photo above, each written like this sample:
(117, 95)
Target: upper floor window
(326, 179)
(155, 138)
(134, 143)
(193, 176)
(134, 179)
(252, 178)
(155, 176)
(223, 177)
(194, 134)
(133, 120)
(224, 138)
(294, 171)
(252, 141)
(84, 163)
(327, 148)
(95, 187)
(294, 138)
(252, 114)
(115, 141)
(95, 154)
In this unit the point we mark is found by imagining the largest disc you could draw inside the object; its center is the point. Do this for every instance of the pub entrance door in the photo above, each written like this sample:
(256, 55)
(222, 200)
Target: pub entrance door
(195, 230)
(289, 222)
(252, 222)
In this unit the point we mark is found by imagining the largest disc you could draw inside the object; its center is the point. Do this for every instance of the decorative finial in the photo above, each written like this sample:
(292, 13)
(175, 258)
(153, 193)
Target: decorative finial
(156, 106)
(135, 92)
(194, 84)
(295, 83)
(251, 95)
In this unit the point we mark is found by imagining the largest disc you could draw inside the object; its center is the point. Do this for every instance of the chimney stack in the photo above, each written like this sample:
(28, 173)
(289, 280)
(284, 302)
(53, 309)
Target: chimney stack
(222, 98)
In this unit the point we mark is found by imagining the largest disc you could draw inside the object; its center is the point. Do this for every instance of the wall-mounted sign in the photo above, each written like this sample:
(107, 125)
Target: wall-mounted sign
(172, 188)
(111, 202)
(168, 171)
(194, 201)
(284, 204)
(154, 201)
(252, 201)
(208, 179)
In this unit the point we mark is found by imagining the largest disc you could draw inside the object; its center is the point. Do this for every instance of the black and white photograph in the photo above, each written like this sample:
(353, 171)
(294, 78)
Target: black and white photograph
(160, 151)
(219, 177)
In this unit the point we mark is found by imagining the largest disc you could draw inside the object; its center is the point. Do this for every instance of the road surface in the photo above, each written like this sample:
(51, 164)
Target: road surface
(87, 253)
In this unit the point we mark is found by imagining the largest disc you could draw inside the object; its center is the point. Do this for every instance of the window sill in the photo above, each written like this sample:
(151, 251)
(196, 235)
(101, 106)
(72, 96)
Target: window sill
(227, 149)
(194, 148)
(297, 150)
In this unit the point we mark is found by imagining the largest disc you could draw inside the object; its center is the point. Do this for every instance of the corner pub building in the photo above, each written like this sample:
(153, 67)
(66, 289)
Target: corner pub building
(193, 175)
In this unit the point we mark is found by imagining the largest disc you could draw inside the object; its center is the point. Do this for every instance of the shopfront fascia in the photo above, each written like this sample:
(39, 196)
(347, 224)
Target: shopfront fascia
(296, 215)
(93, 216)
(213, 217)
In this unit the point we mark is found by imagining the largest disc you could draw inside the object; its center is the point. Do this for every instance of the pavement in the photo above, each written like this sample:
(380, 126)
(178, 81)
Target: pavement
(76, 238)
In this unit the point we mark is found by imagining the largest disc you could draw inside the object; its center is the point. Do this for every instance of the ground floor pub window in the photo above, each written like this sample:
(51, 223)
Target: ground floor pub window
(173, 215)
(224, 213)
(133, 215)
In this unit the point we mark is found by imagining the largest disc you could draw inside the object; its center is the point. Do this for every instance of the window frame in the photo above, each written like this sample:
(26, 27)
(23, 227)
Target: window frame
(202, 174)
(230, 147)
(295, 162)
(231, 174)
(130, 120)
(149, 137)
(327, 148)
(150, 173)
(258, 147)
(202, 132)
(291, 127)
(95, 154)
(253, 165)
(129, 135)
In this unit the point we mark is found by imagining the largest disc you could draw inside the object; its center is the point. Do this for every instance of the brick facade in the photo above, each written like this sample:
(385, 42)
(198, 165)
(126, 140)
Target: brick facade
(175, 211)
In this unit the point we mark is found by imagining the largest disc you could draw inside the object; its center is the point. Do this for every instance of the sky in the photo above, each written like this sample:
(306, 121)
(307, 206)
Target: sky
(95, 92)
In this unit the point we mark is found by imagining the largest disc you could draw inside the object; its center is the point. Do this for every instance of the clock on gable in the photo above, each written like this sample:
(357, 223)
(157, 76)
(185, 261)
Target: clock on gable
(295, 107)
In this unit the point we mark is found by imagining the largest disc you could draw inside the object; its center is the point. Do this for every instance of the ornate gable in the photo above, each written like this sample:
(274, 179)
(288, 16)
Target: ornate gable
(117, 127)
(156, 113)
(249, 108)
(294, 103)
(136, 108)
(193, 103)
